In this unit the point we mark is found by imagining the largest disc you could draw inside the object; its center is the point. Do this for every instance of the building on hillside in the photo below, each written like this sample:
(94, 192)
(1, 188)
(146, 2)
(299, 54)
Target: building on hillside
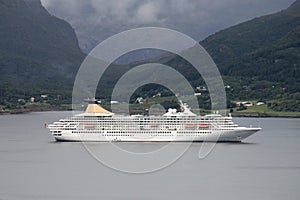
(244, 104)
(140, 100)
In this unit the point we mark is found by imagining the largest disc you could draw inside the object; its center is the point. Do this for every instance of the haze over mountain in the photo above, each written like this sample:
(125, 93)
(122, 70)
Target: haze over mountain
(96, 20)
(38, 51)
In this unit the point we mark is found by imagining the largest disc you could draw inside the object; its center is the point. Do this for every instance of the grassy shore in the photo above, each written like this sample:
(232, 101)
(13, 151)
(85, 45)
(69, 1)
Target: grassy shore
(37, 107)
(253, 111)
(263, 111)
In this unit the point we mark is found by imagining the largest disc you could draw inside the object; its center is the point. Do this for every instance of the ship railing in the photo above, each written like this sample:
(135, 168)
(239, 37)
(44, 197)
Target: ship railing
(216, 126)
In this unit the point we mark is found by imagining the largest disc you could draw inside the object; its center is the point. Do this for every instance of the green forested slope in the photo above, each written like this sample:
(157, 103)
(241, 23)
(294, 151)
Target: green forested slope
(261, 58)
(38, 52)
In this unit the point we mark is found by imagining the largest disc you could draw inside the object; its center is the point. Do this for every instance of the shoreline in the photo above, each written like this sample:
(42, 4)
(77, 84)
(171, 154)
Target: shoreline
(64, 108)
(265, 115)
(35, 109)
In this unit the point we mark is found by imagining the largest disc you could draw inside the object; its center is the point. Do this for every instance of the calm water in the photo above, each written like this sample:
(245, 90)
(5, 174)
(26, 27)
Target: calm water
(33, 166)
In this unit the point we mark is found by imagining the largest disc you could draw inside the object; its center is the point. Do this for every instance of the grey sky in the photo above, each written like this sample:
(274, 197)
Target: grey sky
(95, 20)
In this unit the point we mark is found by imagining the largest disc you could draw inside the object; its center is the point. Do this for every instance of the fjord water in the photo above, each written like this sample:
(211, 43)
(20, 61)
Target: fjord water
(33, 166)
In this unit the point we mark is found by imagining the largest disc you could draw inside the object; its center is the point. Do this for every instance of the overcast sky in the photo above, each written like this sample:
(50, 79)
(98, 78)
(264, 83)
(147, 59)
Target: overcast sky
(95, 20)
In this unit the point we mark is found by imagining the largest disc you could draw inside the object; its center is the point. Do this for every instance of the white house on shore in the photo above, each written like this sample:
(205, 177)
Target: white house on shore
(244, 104)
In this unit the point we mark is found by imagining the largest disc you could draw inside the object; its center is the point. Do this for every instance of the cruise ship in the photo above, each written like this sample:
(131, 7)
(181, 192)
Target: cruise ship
(97, 124)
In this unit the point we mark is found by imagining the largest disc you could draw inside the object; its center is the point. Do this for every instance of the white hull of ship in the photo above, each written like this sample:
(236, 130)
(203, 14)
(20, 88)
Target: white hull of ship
(230, 135)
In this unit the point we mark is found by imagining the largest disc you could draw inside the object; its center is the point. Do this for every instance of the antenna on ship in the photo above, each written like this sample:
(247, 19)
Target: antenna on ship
(92, 101)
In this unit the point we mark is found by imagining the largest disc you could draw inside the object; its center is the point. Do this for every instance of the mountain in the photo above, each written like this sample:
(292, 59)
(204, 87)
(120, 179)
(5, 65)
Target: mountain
(38, 52)
(265, 48)
(258, 60)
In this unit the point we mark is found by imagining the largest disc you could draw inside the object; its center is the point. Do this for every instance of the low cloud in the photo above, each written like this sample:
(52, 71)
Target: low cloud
(95, 20)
